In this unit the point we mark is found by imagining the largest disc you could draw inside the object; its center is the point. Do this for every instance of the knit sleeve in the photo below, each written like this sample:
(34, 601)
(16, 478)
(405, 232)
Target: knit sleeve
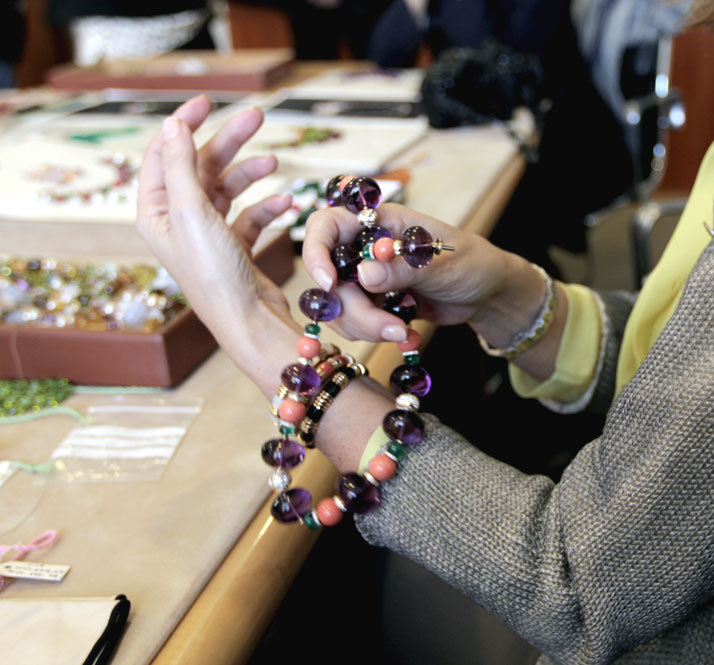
(618, 552)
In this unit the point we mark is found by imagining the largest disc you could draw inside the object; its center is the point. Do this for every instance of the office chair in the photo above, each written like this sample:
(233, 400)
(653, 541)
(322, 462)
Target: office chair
(652, 108)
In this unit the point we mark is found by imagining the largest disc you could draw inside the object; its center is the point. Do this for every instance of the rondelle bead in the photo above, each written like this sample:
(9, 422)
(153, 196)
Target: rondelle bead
(280, 480)
(367, 217)
(328, 512)
(412, 343)
(407, 401)
(285, 453)
(291, 411)
(319, 305)
(382, 468)
(362, 192)
(405, 426)
(369, 235)
(417, 249)
(300, 379)
(311, 521)
(402, 305)
(346, 258)
(333, 193)
(356, 493)
(383, 249)
(397, 450)
(308, 347)
(291, 506)
(410, 378)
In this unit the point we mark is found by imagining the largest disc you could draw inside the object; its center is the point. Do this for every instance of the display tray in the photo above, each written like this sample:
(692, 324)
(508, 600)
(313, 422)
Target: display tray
(251, 69)
(123, 357)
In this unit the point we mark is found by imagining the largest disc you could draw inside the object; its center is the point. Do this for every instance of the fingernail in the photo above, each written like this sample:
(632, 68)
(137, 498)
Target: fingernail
(371, 273)
(322, 278)
(170, 128)
(394, 334)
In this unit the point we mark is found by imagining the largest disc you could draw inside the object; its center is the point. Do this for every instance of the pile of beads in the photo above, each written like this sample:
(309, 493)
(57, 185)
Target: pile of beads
(106, 296)
(21, 396)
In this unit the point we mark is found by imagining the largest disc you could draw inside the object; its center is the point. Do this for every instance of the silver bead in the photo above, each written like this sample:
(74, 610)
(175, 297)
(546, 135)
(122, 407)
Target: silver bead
(339, 503)
(367, 217)
(370, 478)
(280, 480)
(408, 401)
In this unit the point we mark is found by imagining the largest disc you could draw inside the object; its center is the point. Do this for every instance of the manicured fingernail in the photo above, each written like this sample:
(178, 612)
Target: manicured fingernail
(322, 278)
(371, 273)
(394, 334)
(170, 127)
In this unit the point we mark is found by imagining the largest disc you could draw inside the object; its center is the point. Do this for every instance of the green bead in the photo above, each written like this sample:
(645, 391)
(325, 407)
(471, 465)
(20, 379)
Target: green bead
(310, 522)
(396, 449)
(287, 429)
(367, 253)
(312, 329)
(412, 359)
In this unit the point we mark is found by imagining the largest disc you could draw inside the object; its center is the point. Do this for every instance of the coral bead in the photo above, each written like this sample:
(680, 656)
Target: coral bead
(412, 342)
(382, 468)
(308, 347)
(384, 249)
(328, 513)
(291, 411)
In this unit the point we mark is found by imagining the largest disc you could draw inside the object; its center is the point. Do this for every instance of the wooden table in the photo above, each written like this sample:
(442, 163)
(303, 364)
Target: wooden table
(224, 597)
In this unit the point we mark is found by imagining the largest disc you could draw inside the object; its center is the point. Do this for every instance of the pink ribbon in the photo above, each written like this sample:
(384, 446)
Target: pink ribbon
(42, 542)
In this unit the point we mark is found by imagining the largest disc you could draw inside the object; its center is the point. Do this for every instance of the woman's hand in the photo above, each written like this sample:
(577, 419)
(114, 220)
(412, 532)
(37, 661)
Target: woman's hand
(450, 289)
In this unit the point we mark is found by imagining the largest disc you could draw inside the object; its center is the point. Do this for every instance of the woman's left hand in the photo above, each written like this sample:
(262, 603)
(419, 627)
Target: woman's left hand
(184, 195)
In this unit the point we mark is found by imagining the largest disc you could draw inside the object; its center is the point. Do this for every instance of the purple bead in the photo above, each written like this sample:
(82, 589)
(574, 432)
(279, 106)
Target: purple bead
(361, 193)
(404, 425)
(413, 379)
(416, 247)
(319, 305)
(402, 305)
(370, 234)
(284, 453)
(357, 493)
(291, 506)
(333, 194)
(346, 258)
(301, 379)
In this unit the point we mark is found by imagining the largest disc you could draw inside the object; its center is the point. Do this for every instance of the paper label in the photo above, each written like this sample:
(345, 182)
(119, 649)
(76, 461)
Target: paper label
(34, 570)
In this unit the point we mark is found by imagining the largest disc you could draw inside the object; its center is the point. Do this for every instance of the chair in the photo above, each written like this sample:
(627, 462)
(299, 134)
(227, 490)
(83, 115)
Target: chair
(652, 108)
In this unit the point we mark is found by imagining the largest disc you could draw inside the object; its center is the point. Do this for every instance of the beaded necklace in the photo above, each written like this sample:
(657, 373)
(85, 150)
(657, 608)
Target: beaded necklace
(310, 385)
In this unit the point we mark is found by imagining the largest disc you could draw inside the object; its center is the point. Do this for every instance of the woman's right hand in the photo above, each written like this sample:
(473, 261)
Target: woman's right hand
(451, 289)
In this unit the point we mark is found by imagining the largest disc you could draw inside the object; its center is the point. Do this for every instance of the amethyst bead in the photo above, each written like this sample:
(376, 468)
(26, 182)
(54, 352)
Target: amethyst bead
(361, 193)
(300, 379)
(346, 258)
(404, 426)
(357, 493)
(417, 249)
(284, 453)
(333, 193)
(370, 234)
(319, 305)
(402, 305)
(413, 379)
(291, 506)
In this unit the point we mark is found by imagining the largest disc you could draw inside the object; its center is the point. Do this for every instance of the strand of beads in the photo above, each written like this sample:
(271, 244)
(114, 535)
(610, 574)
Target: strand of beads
(362, 196)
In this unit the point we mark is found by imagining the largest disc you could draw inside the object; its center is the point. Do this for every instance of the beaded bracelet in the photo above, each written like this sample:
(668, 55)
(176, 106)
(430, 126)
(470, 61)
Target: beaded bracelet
(525, 339)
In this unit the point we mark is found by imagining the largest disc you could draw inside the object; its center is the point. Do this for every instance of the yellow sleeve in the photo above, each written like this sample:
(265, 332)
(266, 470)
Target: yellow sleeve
(578, 354)
(378, 439)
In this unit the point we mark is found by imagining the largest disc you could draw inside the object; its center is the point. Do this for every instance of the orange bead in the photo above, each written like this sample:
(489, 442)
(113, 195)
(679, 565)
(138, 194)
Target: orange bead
(291, 411)
(328, 513)
(411, 343)
(383, 249)
(382, 467)
(308, 347)
(343, 183)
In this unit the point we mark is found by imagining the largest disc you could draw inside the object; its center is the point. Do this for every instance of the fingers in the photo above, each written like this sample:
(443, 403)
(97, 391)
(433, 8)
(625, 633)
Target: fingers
(240, 176)
(218, 153)
(254, 219)
(183, 189)
(361, 319)
(151, 174)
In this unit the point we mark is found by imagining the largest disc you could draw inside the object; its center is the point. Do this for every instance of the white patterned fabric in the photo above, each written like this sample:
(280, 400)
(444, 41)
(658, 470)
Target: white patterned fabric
(99, 38)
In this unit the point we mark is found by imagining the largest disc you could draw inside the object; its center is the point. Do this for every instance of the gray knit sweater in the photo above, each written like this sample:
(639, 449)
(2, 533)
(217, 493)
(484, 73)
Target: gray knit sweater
(615, 563)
